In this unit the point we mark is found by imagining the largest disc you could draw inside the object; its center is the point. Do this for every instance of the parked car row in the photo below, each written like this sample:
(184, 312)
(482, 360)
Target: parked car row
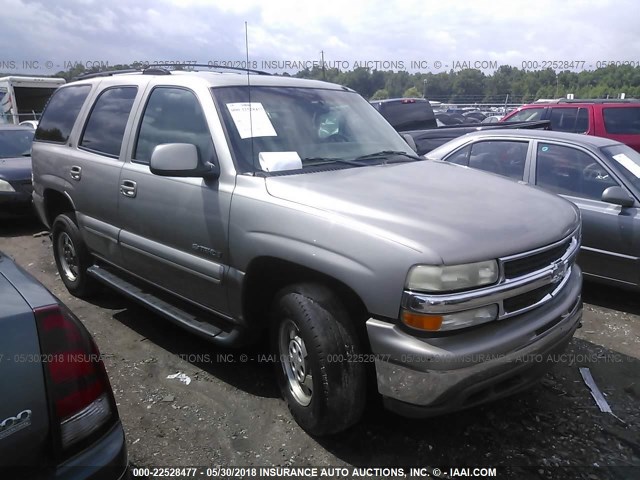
(289, 208)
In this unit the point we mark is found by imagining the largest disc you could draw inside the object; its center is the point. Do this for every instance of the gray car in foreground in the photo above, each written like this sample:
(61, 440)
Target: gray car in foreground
(58, 417)
(601, 176)
(242, 206)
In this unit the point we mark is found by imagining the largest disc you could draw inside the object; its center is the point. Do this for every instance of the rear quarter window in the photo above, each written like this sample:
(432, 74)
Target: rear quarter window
(60, 113)
(622, 121)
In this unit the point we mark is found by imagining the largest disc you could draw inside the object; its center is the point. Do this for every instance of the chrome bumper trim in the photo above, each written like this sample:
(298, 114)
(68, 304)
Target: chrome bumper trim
(556, 272)
(444, 372)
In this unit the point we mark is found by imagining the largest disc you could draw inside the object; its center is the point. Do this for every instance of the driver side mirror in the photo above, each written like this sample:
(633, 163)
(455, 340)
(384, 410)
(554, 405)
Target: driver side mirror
(180, 160)
(410, 141)
(617, 196)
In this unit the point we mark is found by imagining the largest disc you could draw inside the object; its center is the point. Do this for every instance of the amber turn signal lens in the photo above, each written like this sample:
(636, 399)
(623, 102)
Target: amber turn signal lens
(421, 321)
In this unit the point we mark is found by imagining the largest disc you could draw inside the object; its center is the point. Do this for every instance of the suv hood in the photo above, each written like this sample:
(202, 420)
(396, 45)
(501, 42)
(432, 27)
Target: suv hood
(462, 215)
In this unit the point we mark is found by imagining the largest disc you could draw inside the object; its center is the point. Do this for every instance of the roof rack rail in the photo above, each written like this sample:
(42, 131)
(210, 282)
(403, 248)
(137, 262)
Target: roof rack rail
(189, 66)
(589, 100)
(106, 73)
(166, 69)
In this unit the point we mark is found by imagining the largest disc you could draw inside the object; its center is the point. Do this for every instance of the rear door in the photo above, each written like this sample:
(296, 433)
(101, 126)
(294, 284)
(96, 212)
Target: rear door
(608, 237)
(569, 119)
(505, 157)
(93, 168)
(24, 417)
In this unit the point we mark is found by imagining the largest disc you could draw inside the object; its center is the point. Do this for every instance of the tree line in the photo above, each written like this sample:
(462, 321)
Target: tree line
(468, 85)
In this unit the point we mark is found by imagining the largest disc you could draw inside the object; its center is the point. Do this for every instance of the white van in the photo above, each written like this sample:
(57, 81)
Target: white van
(24, 98)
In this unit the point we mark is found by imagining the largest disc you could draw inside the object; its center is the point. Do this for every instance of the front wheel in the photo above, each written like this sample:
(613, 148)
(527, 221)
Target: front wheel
(317, 348)
(72, 257)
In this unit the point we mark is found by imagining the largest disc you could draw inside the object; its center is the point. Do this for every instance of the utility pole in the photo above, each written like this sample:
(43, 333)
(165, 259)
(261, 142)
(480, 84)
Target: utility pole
(424, 88)
(324, 76)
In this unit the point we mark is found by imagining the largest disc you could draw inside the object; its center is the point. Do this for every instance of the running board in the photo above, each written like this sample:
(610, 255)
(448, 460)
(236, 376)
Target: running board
(187, 320)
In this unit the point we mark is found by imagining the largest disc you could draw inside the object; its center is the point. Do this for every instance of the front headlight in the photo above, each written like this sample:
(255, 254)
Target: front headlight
(449, 278)
(5, 186)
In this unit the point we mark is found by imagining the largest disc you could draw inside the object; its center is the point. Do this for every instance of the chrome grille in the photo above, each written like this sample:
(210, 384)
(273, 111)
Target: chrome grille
(534, 262)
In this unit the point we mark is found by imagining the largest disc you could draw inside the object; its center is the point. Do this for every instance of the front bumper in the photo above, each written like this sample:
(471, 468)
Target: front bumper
(426, 376)
(16, 204)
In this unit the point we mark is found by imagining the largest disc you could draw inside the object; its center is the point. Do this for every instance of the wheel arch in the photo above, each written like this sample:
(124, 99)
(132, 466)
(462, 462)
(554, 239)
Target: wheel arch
(55, 203)
(267, 275)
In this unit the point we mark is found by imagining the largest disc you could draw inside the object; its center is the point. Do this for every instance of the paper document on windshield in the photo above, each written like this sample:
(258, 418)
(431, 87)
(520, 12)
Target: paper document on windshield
(627, 163)
(251, 120)
(279, 161)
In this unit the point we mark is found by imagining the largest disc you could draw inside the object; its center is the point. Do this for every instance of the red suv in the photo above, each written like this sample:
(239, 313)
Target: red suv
(615, 119)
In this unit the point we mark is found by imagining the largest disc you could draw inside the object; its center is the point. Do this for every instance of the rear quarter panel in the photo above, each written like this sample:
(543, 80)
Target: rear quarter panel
(24, 418)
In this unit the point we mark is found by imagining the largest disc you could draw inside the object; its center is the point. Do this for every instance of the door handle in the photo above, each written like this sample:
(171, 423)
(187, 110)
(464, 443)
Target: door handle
(76, 172)
(128, 188)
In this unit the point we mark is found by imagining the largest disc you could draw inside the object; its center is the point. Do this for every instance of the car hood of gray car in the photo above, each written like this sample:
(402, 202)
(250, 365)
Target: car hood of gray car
(17, 169)
(461, 214)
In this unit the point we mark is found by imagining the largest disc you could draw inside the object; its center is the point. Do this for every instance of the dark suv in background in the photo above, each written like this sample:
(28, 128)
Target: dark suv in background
(407, 113)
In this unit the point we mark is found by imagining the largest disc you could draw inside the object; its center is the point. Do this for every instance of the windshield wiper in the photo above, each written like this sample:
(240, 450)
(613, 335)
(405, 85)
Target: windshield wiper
(316, 161)
(386, 154)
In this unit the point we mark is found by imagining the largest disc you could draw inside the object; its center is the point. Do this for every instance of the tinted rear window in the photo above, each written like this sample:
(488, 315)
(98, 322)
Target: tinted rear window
(622, 120)
(61, 113)
(408, 116)
(569, 119)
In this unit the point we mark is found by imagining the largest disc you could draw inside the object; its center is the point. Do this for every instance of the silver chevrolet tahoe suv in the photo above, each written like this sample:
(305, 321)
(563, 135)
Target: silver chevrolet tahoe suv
(246, 205)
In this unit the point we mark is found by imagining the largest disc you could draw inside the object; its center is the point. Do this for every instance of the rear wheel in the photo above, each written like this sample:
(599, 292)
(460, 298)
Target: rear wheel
(71, 256)
(318, 369)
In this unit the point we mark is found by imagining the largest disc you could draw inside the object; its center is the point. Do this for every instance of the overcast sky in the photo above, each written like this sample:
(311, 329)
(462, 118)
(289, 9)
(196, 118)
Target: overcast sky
(507, 32)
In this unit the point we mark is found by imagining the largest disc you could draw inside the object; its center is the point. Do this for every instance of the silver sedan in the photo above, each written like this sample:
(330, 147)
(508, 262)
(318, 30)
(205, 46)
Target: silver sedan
(601, 176)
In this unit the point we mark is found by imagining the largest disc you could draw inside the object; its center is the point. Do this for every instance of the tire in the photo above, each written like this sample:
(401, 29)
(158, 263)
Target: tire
(72, 257)
(315, 345)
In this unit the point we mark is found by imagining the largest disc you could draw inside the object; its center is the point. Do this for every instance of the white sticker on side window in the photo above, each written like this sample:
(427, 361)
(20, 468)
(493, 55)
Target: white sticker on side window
(251, 120)
(627, 163)
(279, 161)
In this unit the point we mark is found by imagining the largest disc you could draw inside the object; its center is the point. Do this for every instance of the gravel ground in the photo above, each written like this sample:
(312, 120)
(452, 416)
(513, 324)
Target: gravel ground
(230, 413)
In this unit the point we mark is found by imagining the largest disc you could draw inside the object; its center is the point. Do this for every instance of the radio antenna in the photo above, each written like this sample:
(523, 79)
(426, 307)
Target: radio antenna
(246, 47)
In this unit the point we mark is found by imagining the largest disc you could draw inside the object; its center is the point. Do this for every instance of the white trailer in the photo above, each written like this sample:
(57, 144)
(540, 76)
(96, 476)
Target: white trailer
(24, 98)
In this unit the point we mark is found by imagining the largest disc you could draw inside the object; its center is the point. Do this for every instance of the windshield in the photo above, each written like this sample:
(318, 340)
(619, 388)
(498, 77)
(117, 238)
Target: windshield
(15, 143)
(289, 128)
(626, 161)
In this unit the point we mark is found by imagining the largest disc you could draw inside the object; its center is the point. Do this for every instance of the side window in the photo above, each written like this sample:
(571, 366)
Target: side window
(569, 171)
(461, 157)
(527, 115)
(173, 115)
(61, 112)
(104, 130)
(574, 120)
(504, 157)
(622, 121)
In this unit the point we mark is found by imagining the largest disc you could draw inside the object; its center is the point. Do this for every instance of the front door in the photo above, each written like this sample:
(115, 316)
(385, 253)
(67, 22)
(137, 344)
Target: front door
(607, 230)
(174, 231)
